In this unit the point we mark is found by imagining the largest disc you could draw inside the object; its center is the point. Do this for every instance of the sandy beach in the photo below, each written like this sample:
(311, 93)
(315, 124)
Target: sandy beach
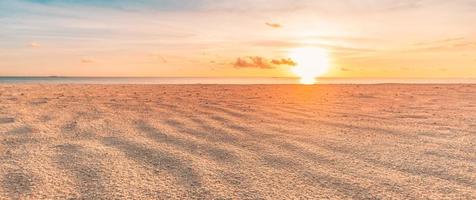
(237, 141)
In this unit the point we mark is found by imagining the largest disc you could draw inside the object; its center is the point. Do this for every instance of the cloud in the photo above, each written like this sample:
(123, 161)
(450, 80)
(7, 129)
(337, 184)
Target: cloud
(273, 25)
(464, 44)
(252, 62)
(344, 69)
(162, 59)
(294, 44)
(140, 5)
(34, 45)
(276, 43)
(444, 45)
(403, 5)
(262, 63)
(345, 39)
(86, 60)
(283, 61)
(442, 41)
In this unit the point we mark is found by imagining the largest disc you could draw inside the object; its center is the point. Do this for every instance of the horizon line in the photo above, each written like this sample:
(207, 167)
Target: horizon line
(231, 77)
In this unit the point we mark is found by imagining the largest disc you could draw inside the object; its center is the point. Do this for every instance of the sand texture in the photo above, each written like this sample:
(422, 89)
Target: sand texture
(237, 142)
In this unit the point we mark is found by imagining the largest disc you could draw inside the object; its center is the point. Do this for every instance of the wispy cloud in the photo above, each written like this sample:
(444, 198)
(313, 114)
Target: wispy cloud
(345, 69)
(34, 45)
(439, 42)
(457, 44)
(262, 63)
(293, 44)
(162, 59)
(86, 60)
(273, 25)
(253, 5)
(166, 5)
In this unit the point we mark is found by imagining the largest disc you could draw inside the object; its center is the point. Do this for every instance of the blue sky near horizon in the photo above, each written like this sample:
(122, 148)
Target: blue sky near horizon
(388, 38)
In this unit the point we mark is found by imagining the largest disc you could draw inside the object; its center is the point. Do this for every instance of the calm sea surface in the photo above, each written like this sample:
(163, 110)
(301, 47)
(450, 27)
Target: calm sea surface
(163, 80)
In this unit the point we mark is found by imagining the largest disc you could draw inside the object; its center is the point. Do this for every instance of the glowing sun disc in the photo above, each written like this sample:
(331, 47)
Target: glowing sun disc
(310, 63)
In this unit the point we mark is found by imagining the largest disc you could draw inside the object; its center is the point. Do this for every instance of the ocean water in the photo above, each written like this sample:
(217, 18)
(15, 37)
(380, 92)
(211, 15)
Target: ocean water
(187, 80)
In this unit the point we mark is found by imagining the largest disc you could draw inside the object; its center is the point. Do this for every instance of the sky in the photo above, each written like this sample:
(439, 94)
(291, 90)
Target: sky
(237, 38)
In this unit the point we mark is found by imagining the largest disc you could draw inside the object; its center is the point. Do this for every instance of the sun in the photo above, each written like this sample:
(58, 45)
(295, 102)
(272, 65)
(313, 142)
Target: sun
(310, 63)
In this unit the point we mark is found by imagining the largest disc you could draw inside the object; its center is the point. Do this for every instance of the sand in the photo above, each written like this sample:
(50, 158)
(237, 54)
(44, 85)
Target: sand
(238, 142)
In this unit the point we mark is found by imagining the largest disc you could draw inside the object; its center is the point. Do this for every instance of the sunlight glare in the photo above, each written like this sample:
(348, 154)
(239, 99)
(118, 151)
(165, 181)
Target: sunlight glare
(311, 63)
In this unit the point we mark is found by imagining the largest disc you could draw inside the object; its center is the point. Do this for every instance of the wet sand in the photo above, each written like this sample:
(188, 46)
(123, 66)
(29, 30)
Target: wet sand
(238, 142)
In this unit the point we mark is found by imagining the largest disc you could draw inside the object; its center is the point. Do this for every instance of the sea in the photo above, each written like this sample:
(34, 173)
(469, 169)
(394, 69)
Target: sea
(208, 80)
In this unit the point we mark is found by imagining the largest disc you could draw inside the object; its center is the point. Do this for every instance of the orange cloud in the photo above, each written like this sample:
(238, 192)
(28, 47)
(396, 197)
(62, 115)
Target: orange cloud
(273, 25)
(262, 63)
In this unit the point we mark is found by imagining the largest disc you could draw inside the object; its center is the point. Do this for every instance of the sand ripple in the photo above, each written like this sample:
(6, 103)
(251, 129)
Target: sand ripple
(238, 142)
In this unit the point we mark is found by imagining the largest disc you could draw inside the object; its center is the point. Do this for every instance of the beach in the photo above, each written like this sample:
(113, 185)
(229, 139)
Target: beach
(381, 141)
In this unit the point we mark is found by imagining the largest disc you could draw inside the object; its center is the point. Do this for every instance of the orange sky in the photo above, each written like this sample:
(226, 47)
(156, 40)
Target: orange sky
(239, 38)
